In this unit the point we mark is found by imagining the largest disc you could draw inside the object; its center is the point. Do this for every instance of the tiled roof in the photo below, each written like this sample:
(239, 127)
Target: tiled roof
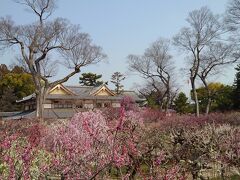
(31, 96)
(59, 96)
(81, 90)
(85, 92)
(48, 113)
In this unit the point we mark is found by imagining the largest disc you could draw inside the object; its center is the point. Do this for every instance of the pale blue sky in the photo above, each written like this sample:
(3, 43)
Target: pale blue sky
(122, 27)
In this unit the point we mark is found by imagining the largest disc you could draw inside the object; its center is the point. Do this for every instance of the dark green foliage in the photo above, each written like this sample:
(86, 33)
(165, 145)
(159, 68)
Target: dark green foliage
(8, 100)
(224, 99)
(221, 97)
(116, 79)
(14, 84)
(181, 103)
(153, 99)
(22, 84)
(236, 89)
(90, 79)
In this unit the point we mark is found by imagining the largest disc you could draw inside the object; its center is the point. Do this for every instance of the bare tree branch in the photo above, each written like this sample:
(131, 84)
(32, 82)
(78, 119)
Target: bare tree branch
(156, 66)
(213, 60)
(204, 29)
(42, 8)
(40, 39)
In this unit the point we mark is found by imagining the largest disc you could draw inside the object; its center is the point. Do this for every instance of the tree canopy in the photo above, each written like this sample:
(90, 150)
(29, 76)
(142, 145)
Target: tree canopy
(236, 88)
(116, 79)
(156, 66)
(90, 79)
(14, 84)
(181, 103)
(221, 97)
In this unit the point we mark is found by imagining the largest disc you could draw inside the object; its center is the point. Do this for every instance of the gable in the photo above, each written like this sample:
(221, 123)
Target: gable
(103, 91)
(60, 90)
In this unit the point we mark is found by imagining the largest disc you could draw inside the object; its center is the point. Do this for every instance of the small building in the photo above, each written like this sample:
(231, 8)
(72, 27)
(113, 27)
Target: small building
(63, 101)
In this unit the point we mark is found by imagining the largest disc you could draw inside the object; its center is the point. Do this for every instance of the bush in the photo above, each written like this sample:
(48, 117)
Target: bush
(127, 143)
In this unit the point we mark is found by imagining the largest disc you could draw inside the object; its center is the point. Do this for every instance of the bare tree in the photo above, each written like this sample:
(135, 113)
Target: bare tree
(204, 28)
(154, 92)
(213, 60)
(156, 66)
(37, 40)
(49, 66)
(232, 17)
(18, 61)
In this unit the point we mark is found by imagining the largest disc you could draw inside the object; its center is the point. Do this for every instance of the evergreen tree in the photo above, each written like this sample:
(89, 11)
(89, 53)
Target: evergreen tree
(223, 100)
(236, 89)
(3, 70)
(8, 100)
(116, 79)
(153, 99)
(181, 104)
(90, 79)
(221, 97)
(14, 85)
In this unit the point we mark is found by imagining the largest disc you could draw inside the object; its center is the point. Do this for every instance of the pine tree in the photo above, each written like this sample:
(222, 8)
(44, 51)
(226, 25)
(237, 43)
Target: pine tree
(181, 104)
(236, 89)
(90, 79)
(116, 79)
(8, 100)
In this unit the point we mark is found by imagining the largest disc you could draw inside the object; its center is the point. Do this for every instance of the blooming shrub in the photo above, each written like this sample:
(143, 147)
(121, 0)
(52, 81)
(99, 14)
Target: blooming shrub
(125, 143)
(80, 147)
(21, 155)
(152, 115)
(128, 103)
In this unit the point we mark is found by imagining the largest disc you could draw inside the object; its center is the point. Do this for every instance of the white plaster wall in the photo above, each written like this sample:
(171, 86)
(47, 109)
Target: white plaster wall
(88, 106)
(47, 106)
(116, 105)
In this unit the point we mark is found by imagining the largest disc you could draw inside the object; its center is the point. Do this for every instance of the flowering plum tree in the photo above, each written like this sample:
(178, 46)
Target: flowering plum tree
(121, 143)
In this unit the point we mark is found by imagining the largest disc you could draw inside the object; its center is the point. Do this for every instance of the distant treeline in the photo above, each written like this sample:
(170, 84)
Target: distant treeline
(15, 83)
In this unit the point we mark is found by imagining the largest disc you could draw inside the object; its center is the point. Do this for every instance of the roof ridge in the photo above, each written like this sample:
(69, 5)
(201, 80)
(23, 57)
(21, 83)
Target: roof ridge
(125, 90)
(79, 86)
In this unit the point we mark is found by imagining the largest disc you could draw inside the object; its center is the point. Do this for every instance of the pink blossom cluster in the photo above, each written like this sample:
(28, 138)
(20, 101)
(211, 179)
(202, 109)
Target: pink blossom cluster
(122, 143)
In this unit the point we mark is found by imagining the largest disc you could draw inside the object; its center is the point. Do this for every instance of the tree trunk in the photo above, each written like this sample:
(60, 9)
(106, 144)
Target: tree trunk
(40, 98)
(209, 100)
(194, 72)
(167, 102)
(161, 107)
(208, 106)
(196, 102)
(195, 97)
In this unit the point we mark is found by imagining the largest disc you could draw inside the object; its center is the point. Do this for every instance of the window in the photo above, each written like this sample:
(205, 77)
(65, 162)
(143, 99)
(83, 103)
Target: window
(67, 105)
(61, 105)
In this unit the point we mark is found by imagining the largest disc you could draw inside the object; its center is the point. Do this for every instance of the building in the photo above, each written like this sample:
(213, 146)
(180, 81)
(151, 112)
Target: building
(63, 101)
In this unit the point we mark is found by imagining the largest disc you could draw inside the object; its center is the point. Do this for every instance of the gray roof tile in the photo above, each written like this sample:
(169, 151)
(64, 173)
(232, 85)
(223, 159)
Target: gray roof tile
(85, 92)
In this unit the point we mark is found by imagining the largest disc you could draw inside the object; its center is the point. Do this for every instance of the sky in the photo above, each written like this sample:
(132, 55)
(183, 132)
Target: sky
(122, 27)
